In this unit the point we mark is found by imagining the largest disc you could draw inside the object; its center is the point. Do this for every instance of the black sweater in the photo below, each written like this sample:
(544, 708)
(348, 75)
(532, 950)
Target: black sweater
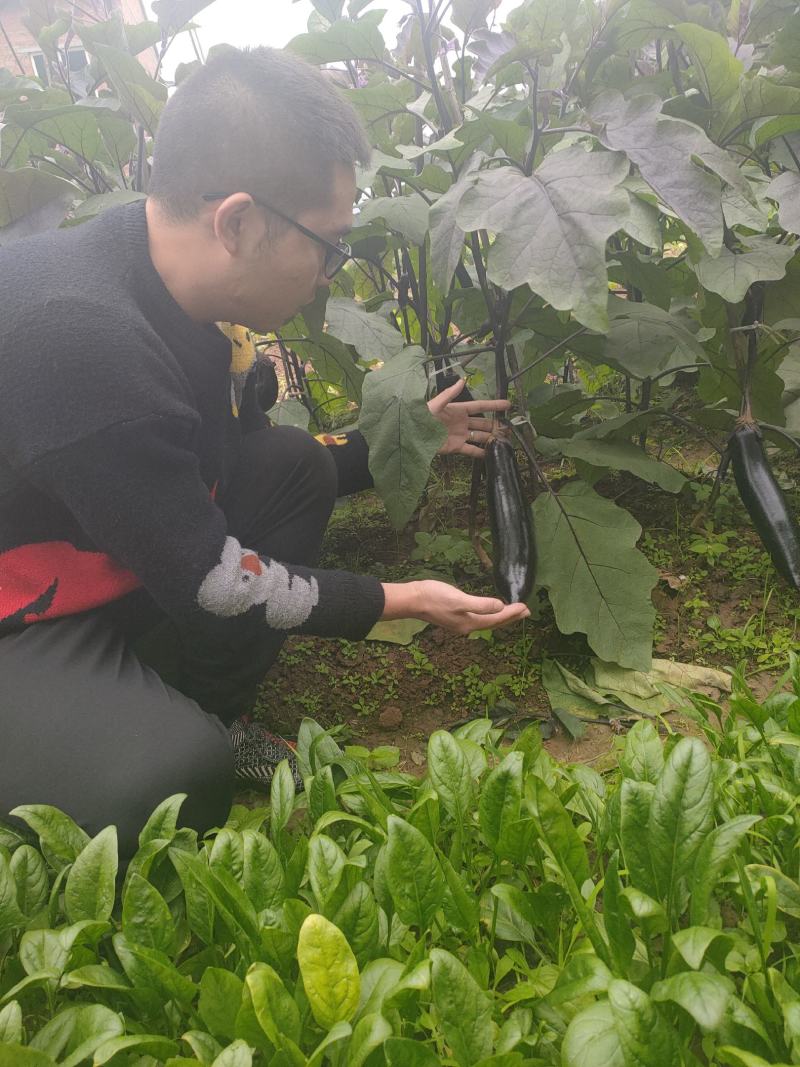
(116, 426)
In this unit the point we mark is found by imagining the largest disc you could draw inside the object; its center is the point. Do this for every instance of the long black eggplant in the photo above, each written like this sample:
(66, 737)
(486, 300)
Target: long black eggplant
(445, 377)
(764, 501)
(513, 545)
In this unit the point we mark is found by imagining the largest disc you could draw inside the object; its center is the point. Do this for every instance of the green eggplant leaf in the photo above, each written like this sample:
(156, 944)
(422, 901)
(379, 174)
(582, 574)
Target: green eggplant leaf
(552, 227)
(731, 274)
(344, 40)
(598, 583)
(402, 435)
(665, 149)
(369, 333)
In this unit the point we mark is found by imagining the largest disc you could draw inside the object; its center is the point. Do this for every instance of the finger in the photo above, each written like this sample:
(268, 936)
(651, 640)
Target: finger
(476, 423)
(510, 614)
(477, 436)
(481, 605)
(472, 451)
(474, 407)
(443, 398)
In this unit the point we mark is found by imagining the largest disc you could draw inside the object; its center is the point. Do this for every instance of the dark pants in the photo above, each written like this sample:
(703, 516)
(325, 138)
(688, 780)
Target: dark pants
(89, 726)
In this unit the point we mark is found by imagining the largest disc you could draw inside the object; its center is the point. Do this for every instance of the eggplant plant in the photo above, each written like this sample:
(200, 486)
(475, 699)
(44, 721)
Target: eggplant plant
(592, 186)
(572, 192)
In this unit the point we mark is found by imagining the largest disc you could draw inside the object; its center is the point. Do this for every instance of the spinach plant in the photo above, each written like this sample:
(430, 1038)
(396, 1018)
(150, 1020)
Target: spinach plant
(503, 911)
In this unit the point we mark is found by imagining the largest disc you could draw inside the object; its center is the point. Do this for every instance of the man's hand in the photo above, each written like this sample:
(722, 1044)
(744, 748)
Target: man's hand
(446, 606)
(467, 431)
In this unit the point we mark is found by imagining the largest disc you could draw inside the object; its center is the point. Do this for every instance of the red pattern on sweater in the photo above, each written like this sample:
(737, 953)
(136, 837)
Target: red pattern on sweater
(53, 578)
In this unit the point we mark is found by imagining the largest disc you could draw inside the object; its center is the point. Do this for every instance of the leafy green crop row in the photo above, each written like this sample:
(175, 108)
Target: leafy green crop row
(505, 910)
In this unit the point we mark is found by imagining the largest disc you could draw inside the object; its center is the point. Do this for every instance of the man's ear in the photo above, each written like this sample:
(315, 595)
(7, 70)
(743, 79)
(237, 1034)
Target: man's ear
(238, 223)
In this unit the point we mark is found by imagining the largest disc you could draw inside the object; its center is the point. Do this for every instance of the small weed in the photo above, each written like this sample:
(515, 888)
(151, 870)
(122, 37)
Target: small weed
(657, 555)
(443, 548)
(711, 545)
(753, 642)
(420, 664)
(365, 708)
(311, 703)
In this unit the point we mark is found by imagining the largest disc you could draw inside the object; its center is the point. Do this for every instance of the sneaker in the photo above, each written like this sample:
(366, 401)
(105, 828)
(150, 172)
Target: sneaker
(257, 753)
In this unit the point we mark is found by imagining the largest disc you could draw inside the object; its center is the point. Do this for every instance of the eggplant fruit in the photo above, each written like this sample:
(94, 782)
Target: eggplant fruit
(447, 377)
(764, 500)
(513, 546)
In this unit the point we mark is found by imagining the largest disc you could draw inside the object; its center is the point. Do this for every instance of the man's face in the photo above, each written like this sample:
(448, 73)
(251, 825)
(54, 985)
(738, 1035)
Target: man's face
(280, 275)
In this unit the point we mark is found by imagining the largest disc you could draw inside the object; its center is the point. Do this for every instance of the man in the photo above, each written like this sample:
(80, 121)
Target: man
(138, 481)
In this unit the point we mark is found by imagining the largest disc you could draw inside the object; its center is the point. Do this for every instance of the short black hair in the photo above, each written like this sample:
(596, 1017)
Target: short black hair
(255, 120)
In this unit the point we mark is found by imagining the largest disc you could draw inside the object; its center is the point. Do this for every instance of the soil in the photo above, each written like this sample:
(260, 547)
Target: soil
(378, 694)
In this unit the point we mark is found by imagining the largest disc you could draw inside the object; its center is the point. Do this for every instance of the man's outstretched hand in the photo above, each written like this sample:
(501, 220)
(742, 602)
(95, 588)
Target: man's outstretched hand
(445, 606)
(467, 430)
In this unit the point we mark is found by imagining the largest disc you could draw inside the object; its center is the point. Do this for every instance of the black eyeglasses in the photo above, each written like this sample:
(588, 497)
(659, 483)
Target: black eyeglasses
(336, 255)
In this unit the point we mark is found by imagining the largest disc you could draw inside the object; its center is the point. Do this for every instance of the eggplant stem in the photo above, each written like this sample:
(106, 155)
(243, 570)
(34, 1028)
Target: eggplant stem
(702, 515)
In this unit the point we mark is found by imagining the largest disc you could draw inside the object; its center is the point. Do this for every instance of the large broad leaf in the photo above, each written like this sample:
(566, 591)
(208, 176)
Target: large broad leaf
(552, 227)
(447, 237)
(786, 190)
(469, 14)
(96, 205)
(644, 340)
(664, 149)
(681, 813)
(598, 583)
(343, 40)
(402, 435)
(25, 194)
(407, 215)
(174, 14)
(369, 333)
(618, 456)
(334, 363)
(73, 127)
(329, 9)
(759, 99)
(716, 69)
(142, 96)
(731, 274)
